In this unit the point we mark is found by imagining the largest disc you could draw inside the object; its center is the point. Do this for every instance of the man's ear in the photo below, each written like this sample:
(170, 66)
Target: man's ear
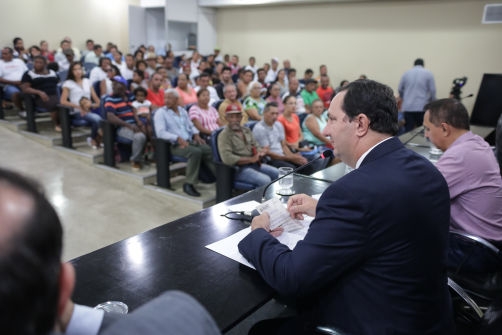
(66, 286)
(363, 124)
(445, 129)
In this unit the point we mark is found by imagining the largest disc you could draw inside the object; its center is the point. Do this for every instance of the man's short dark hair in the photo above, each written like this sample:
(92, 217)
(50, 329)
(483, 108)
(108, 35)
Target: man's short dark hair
(42, 58)
(140, 89)
(226, 68)
(15, 40)
(419, 61)
(97, 46)
(260, 70)
(30, 263)
(102, 60)
(268, 105)
(89, 41)
(376, 101)
(450, 111)
(204, 75)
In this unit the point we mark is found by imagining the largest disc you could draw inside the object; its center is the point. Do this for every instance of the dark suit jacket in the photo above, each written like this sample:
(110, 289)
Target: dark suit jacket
(373, 260)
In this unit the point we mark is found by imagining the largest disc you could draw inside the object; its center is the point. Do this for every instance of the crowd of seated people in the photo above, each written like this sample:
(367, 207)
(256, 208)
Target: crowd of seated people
(92, 83)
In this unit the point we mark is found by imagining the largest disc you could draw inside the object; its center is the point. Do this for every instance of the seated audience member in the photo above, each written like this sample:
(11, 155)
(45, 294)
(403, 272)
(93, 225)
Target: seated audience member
(343, 83)
(238, 147)
(473, 178)
(230, 92)
(272, 72)
(172, 71)
(234, 64)
(128, 69)
(186, 93)
(307, 75)
(151, 62)
(166, 81)
(225, 79)
(252, 66)
(291, 123)
(18, 49)
(274, 95)
(172, 123)
(261, 75)
(11, 73)
(119, 111)
(204, 116)
(105, 86)
(325, 91)
(69, 45)
(204, 81)
(141, 65)
(118, 60)
(95, 55)
(286, 65)
(323, 71)
(282, 81)
(155, 93)
(294, 90)
(60, 57)
(89, 47)
(33, 51)
(142, 109)
(138, 79)
(243, 83)
(309, 94)
(75, 87)
(99, 73)
(43, 84)
(30, 261)
(44, 50)
(254, 104)
(269, 133)
(373, 260)
(314, 124)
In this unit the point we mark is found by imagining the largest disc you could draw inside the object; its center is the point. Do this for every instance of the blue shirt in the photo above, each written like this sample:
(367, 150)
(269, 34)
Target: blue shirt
(170, 125)
(417, 88)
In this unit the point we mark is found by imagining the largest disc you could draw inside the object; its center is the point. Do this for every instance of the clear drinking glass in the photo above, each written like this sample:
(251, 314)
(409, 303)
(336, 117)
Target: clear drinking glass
(286, 183)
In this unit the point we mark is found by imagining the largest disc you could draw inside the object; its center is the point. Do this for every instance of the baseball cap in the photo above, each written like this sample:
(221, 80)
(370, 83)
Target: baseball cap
(233, 109)
(151, 55)
(121, 80)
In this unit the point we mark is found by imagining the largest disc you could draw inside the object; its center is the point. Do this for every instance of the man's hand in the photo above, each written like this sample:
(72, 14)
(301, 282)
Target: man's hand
(182, 143)
(43, 96)
(263, 221)
(197, 139)
(297, 159)
(300, 205)
(134, 128)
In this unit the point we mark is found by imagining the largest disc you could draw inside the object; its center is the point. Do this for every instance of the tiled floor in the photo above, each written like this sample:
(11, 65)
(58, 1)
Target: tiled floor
(95, 208)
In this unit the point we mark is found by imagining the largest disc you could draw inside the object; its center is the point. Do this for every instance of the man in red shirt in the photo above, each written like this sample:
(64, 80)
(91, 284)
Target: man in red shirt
(325, 91)
(154, 94)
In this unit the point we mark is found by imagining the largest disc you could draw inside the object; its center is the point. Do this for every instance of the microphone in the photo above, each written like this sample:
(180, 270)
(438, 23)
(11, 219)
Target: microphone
(325, 154)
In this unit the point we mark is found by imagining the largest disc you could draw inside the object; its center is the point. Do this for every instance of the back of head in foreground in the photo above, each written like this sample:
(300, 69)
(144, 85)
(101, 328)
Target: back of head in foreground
(30, 257)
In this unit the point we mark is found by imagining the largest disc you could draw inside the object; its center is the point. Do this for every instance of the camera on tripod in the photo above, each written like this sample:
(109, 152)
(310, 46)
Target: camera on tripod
(456, 90)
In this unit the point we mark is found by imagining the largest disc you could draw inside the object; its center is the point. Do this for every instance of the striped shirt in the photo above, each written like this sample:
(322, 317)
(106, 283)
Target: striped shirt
(122, 109)
(207, 117)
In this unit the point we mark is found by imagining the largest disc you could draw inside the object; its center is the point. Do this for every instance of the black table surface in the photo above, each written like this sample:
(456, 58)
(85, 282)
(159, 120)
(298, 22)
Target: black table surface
(174, 256)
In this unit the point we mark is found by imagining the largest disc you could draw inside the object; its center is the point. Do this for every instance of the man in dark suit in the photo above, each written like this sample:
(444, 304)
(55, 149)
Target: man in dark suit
(36, 286)
(373, 260)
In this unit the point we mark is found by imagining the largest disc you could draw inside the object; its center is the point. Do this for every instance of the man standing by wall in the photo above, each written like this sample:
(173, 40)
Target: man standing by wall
(416, 88)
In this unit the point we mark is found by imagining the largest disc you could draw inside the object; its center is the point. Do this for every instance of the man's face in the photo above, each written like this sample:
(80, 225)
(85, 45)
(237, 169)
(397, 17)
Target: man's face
(130, 62)
(271, 116)
(90, 46)
(286, 64)
(310, 87)
(6, 55)
(204, 82)
(170, 100)
(274, 65)
(248, 76)
(324, 82)
(234, 120)
(117, 57)
(433, 133)
(261, 75)
(293, 85)
(152, 62)
(156, 81)
(168, 63)
(65, 45)
(118, 88)
(317, 108)
(340, 130)
(105, 64)
(226, 76)
(252, 61)
(38, 65)
(19, 45)
(234, 60)
(230, 93)
(323, 70)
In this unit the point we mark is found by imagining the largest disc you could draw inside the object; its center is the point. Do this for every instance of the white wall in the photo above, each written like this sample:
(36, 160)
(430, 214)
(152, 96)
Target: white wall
(380, 39)
(34, 20)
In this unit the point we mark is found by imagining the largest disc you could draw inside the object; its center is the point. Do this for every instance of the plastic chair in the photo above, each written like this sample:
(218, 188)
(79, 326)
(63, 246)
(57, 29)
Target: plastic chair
(225, 174)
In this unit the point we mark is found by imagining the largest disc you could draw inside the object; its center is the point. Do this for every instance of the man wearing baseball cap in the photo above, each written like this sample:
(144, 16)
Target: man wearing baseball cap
(238, 147)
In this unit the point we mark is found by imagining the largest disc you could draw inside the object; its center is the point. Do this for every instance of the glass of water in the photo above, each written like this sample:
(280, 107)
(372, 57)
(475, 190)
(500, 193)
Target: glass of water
(286, 183)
